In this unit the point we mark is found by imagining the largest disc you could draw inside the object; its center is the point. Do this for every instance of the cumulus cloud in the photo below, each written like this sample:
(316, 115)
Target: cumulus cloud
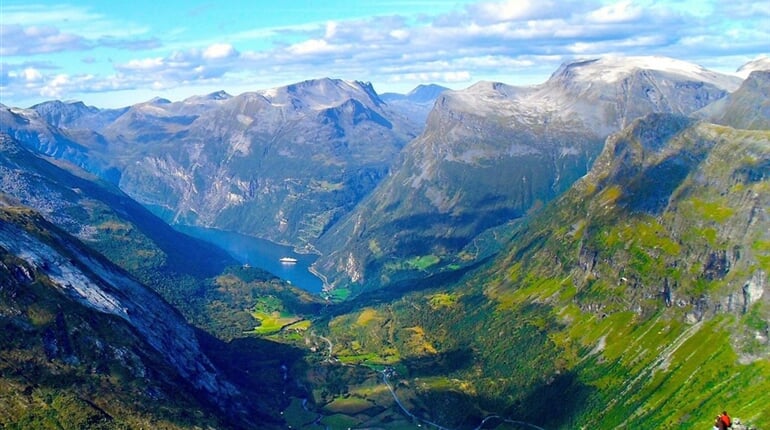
(31, 75)
(35, 40)
(219, 51)
(311, 47)
(193, 65)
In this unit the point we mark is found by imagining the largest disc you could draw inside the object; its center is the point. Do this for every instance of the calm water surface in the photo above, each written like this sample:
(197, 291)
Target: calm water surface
(263, 254)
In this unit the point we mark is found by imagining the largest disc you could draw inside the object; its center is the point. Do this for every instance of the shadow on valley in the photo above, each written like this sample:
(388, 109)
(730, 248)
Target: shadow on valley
(552, 405)
(556, 404)
(259, 368)
(443, 363)
(396, 290)
(417, 230)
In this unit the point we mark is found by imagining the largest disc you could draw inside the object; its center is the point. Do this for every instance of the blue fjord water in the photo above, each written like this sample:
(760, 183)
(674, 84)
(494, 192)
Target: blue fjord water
(263, 254)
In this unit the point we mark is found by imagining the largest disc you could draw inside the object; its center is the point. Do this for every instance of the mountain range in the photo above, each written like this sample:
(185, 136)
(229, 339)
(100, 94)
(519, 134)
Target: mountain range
(492, 152)
(590, 251)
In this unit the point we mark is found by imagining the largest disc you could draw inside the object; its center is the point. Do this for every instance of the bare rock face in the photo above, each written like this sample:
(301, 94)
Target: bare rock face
(754, 289)
(102, 288)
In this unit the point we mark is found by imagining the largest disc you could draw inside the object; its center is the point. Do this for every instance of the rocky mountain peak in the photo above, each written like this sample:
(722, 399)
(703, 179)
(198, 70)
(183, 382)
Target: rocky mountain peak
(758, 80)
(65, 114)
(485, 98)
(315, 94)
(219, 95)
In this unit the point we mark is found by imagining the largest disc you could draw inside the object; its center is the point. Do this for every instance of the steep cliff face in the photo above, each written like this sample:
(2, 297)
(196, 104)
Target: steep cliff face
(492, 152)
(701, 189)
(95, 324)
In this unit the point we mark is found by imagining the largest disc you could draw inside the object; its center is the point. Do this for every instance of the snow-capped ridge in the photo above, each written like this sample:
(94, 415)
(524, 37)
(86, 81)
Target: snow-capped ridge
(611, 69)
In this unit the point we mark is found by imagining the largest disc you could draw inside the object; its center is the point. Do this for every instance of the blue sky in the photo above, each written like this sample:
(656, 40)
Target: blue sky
(116, 53)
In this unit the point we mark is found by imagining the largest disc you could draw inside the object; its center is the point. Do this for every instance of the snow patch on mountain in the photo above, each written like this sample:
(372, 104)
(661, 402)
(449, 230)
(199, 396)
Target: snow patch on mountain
(319, 94)
(761, 63)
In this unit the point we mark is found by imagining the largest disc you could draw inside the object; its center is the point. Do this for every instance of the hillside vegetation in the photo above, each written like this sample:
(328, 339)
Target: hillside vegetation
(639, 298)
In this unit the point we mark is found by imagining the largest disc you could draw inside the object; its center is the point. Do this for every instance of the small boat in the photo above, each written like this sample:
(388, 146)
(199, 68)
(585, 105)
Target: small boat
(287, 260)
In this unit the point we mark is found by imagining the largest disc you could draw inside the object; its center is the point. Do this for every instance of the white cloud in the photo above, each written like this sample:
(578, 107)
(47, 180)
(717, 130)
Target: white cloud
(36, 14)
(331, 30)
(71, 19)
(399, 34)
(312, 46)
(144, 64)
(219, 51)
(31, 75)
(55, 87)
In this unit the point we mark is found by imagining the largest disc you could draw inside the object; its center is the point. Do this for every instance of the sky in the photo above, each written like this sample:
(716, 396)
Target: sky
(117, 53)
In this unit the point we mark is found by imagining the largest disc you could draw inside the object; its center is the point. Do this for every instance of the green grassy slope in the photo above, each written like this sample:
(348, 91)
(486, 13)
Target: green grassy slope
(638, 299)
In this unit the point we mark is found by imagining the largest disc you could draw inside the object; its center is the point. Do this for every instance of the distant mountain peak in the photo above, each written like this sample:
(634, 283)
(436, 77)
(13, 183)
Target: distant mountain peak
(746, 108)
(760, 63)
(219, 95)
(425, 93)
(158, 101)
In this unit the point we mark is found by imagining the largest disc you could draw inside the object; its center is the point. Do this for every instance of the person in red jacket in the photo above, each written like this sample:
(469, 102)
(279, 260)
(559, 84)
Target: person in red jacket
(726, 420)
(719, 424)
